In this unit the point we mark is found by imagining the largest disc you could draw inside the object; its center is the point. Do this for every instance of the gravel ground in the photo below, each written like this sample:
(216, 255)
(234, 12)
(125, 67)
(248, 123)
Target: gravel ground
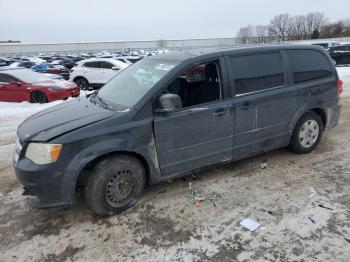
(166, 225)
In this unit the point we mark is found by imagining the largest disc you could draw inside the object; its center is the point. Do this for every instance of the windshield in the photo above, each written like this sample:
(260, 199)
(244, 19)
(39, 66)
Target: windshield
(29, 76)
(131, 84)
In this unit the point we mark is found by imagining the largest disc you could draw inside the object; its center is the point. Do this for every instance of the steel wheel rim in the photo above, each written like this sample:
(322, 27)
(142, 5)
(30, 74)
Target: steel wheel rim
(309, 133)
(120, 187)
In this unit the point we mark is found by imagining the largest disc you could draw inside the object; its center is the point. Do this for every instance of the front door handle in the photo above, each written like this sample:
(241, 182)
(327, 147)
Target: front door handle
(244, 106)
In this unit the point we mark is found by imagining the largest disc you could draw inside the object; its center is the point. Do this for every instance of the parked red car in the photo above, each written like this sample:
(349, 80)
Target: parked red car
(21, 84)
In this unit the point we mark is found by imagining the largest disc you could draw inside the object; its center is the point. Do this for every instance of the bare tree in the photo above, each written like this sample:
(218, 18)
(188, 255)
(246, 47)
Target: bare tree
(296, 29)
(279, 25)
(262, 33)
(245, 34)
(314, 22)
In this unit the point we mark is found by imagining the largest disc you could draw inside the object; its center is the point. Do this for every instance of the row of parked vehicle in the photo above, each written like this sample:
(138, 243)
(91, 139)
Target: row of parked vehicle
(340, 53)
(42, 79)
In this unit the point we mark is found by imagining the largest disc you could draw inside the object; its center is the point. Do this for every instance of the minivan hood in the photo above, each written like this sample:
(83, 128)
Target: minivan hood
(60, 119)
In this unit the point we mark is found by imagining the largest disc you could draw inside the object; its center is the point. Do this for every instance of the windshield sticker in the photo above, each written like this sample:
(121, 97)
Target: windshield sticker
(164, 67)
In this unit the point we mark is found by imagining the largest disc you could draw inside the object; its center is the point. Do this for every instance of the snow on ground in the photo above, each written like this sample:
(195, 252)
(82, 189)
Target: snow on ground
(26, 109)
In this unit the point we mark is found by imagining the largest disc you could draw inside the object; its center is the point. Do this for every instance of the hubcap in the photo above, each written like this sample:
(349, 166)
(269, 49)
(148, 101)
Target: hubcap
(309, 133)
(119, 188)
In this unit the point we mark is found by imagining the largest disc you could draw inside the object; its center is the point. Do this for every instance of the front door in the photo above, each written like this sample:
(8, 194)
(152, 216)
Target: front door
(201, 133)
(11, 90)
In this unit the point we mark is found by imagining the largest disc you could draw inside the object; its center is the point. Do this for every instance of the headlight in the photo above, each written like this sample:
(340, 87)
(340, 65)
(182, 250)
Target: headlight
(42, 154)
(55, 88)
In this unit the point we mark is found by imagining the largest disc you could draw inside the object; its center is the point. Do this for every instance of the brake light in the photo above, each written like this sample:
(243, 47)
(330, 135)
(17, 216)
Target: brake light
(340, 87)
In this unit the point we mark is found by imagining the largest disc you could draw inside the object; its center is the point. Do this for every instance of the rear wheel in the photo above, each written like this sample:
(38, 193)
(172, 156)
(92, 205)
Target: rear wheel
(38, 97)
(82, 83)
(307, 133)
(115, 185)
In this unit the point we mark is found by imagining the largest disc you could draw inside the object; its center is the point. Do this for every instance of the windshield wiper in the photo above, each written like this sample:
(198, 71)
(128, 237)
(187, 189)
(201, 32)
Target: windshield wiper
(103, 102)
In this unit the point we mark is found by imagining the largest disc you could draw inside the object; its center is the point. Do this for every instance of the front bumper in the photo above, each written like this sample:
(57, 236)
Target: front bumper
(45, 182)
(62, 95)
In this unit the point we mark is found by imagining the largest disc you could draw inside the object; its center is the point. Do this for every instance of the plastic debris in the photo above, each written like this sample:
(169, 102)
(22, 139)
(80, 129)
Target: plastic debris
(320, 205)
(312, 192)
(263, 164)
(250, 224)
(311, 219)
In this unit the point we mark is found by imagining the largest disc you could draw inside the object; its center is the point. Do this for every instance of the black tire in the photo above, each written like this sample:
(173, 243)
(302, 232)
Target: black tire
(115, 185)
(38, 97)
(304, 139)
(82, 83)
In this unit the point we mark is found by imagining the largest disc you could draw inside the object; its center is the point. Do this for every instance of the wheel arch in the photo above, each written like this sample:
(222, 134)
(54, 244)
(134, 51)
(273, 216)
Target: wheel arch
(322, 115)
(79, 76)
(87, 168)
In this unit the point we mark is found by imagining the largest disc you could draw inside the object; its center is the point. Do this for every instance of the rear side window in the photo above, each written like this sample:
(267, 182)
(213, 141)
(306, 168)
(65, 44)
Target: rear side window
(106, 65)
(309, 65)
(92, 64)
(254, 73)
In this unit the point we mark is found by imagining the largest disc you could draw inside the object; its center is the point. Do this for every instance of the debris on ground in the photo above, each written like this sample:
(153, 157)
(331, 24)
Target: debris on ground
(320, 205)
(250, 224)
(263, 164)
(312, 192)
(196, 196)
(311, 219)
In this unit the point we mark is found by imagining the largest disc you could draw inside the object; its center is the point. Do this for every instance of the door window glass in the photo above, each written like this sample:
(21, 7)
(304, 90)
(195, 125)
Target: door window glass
(106, 65)
(92, 64)
(197, 85)
(5, 78)
(252, 73)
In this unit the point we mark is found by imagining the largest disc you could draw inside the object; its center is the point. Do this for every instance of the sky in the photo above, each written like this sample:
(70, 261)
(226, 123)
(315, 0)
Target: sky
(47, 21)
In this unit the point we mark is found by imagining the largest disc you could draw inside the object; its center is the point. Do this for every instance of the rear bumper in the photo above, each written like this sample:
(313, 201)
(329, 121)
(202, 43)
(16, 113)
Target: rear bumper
(62, 95)
(51, 188)
(333, 115)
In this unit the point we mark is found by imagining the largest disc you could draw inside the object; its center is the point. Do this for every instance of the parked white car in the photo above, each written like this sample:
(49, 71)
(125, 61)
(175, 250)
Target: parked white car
(95, 72)
(128, 59)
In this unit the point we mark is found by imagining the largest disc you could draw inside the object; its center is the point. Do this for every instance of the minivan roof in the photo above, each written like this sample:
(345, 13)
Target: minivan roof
(188, 54)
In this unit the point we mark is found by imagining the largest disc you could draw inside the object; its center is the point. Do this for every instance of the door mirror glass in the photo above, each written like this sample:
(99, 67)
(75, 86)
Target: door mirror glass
(169, 103)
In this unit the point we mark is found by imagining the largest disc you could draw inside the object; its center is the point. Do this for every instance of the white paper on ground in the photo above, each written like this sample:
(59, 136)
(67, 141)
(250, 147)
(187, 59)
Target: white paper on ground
(250, 224)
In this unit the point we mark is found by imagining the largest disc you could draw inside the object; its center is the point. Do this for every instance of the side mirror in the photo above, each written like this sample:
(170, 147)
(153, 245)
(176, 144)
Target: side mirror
(169, 103)
(115, 68)
(15, 83)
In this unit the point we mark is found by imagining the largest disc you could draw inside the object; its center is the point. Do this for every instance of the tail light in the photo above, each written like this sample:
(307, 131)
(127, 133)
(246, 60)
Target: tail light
(340, 87)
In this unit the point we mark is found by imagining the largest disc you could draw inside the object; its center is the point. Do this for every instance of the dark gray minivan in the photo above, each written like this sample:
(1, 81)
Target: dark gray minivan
(173, 114)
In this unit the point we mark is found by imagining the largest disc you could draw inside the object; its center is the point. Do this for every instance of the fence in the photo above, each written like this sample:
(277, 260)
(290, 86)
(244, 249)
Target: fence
(34, 49)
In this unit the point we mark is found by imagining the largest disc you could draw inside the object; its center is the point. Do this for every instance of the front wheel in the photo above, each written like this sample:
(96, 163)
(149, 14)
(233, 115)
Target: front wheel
(82, 83)
(307, 133)
(38, 97)
(115, 185)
